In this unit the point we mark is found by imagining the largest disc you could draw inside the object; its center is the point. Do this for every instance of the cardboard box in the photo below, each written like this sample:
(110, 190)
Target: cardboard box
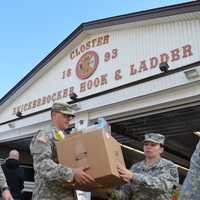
(99, 150)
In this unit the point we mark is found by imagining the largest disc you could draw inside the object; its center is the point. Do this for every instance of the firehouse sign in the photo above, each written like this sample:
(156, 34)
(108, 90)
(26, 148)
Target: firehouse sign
(87, 64)
(98, 64)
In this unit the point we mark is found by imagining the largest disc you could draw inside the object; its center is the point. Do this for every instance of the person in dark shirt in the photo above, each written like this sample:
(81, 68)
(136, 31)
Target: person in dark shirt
(14, 174)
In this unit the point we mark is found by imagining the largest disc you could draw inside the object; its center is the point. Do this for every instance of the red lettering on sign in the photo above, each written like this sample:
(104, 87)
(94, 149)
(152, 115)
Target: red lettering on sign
(118, 75)
(93, 83)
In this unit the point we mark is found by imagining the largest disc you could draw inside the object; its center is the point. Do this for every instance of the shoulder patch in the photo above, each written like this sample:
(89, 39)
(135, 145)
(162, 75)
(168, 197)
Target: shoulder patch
(43, 139)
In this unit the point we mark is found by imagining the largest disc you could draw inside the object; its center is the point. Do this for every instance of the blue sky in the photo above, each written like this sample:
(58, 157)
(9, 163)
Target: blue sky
(32, 29)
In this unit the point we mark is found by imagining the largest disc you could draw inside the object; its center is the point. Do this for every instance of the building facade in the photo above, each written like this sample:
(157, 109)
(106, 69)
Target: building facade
(140, 71)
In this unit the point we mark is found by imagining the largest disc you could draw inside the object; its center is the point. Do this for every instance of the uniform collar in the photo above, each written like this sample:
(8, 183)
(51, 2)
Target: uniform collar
(155, 164)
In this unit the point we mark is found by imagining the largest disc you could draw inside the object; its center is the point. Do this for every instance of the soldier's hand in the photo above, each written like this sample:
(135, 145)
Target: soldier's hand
(124, 173)
(81, 177)
(6, 195)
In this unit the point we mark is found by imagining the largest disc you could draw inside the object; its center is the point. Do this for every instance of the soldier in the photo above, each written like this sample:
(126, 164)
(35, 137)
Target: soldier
(190, 189)
(151, 179)
(4, 187)
(49, 175)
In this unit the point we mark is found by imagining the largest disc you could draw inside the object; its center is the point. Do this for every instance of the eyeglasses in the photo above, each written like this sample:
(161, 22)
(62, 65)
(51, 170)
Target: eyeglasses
(70, 117)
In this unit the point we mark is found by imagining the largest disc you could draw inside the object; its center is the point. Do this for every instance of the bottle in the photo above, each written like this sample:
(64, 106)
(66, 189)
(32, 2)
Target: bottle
(103, 124)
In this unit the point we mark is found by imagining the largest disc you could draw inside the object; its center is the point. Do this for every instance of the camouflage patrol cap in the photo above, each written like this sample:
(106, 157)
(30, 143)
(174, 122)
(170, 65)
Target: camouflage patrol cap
(155, 137)
(63, 108)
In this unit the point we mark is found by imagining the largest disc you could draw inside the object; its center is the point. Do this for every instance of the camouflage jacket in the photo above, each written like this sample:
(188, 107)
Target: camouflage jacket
(149, 183)
(2, 179)
(49, 175)
(191, 186)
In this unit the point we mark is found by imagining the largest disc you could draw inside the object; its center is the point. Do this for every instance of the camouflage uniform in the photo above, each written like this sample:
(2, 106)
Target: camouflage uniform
(149, 183)
(3, 183)
(191, 186)
(49, 175)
